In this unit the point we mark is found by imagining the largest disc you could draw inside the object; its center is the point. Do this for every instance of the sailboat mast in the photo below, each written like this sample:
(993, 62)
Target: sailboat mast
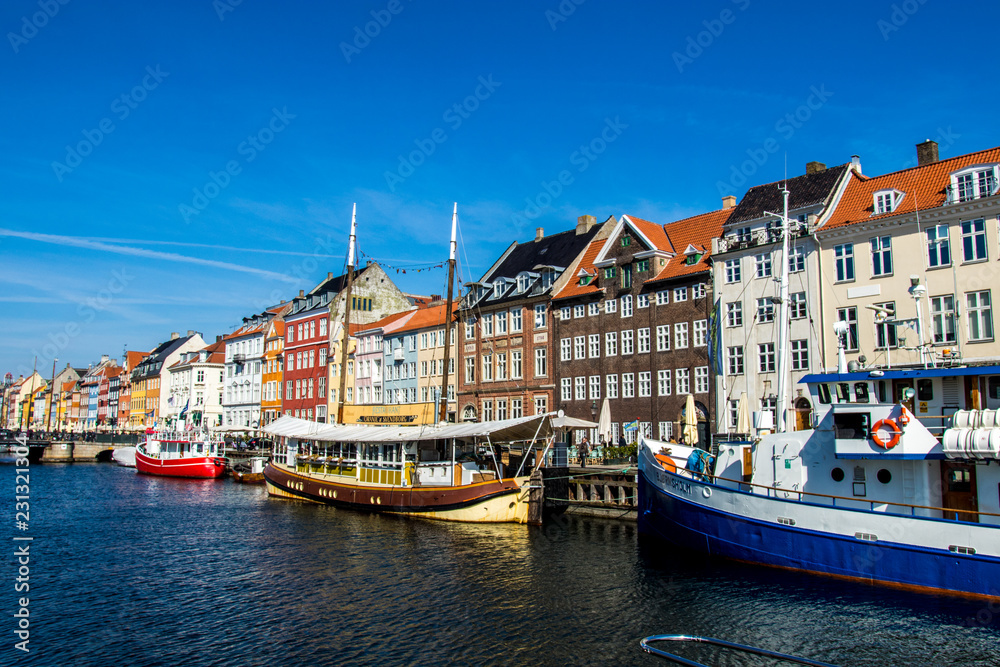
(781, 409)
(443, 409)
(342, 394)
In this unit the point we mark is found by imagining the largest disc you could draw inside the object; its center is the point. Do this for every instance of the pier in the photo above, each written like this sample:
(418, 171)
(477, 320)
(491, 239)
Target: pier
(607, 491)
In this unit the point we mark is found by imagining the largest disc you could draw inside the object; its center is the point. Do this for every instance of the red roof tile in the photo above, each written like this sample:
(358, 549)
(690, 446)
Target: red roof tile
(697, 231)
(924, 187)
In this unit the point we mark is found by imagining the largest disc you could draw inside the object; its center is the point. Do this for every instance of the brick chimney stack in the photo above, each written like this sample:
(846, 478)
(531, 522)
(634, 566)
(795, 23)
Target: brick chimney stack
(856, 164)
(815, 167)
(728, 202)
(584, 223)
(927, 152)
(539, 233)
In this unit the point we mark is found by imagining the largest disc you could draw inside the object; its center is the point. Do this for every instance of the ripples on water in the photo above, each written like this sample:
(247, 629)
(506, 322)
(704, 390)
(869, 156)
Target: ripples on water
(135, 570)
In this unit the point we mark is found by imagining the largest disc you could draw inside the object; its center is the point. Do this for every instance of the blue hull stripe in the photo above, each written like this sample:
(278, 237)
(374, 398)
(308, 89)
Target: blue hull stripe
(729, 535)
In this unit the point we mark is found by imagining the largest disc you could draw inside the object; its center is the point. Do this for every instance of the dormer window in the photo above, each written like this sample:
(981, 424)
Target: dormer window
(585, 279)
(691, 260)
(973, 183)
(522, 283)
(548, 277)
(886, 201)
(497, 289)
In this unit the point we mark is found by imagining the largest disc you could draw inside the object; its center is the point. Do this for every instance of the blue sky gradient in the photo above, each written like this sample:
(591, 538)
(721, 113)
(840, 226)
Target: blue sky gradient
(181, 165)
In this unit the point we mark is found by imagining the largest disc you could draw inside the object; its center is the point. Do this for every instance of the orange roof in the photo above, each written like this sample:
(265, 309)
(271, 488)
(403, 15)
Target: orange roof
(923, 187)
(425, 318)
(573, 287)
(697, 231)
(133, 359)
(653, 232)
(68, 386)
(380, 324)
(674, 237)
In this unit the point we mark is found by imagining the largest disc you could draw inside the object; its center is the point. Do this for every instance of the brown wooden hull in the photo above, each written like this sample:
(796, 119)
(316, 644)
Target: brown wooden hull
(495, 501)
(248, 477)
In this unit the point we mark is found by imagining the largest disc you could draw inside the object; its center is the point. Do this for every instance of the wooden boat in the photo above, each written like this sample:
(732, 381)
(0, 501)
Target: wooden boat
(250, 472)
(449, 472)
(181, 456)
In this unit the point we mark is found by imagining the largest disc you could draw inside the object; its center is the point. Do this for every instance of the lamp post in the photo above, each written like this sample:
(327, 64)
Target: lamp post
(917, 291)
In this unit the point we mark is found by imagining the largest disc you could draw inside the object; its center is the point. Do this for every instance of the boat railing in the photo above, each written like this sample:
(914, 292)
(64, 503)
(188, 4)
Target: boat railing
(646, 646)
(804, 496)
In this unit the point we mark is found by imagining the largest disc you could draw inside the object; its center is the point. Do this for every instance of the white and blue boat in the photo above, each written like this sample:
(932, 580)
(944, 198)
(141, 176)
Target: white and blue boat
(869, 493)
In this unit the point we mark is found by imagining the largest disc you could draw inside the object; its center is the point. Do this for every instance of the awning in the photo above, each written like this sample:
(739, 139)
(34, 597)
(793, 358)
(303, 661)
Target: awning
(507, 430)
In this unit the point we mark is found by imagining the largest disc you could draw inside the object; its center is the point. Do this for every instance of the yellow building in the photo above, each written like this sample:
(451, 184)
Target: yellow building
(274, 364)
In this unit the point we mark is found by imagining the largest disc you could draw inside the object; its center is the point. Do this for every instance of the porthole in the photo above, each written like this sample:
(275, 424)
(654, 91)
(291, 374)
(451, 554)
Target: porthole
(884, 476)
(837, 474)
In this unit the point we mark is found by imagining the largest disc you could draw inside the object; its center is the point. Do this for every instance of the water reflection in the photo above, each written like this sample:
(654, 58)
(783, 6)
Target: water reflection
(141, 570)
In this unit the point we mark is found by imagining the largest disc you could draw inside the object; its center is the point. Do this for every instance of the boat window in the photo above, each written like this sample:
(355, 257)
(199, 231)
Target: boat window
(824, 393)
(851, 425)
(881, 392)
(925, 389)
(861, 391)
(837, 474)
(843, 392)
(994, 387)
(884, 476)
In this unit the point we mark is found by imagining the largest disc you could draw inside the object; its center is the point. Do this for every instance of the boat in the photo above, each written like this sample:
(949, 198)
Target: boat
(124, 456)
(868, 492)
(450, 472)
(177, 455)
(251, 471)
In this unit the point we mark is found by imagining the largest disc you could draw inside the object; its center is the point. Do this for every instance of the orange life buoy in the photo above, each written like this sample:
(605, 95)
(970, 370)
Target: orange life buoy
(892, 426)
(667, 462)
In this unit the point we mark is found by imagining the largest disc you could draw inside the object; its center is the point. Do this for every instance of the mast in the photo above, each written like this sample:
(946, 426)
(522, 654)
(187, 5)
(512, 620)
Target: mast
(341, 396)
(443, 407)
(782, 407)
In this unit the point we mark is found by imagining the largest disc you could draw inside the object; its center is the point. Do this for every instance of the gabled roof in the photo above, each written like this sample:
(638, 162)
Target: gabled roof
(923, 187)
(804, 191)
(695, 233)
(133, 359)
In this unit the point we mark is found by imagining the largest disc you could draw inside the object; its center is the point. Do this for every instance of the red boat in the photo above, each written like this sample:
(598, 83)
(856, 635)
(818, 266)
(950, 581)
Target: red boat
(180, 457)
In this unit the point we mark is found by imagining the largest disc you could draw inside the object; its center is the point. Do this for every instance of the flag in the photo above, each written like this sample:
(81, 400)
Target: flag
(185, 409)
(631, 426)
(715, 337)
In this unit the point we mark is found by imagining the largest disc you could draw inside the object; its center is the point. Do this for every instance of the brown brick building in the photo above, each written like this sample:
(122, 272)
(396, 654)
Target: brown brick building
(506, 367)
(632, 326)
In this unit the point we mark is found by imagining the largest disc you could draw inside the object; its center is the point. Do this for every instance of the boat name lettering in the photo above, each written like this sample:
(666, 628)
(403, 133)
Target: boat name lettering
(683, 487)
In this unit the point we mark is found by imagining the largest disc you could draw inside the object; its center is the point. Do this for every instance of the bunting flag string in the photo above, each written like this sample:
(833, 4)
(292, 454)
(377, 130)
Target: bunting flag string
(400, 270)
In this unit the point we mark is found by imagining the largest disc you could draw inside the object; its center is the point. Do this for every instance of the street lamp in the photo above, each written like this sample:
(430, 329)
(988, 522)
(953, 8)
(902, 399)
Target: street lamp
(917, 291)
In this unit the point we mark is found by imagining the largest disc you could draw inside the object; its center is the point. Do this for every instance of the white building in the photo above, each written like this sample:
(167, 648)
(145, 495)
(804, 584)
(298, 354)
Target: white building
(196, 387)
(746, 272)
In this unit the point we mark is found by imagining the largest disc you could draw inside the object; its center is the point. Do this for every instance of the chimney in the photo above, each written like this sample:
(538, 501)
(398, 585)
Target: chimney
(105, 358)
(815, 167)
(856, 164)
(191, 332)
(174, 335)
(728, 202)
(584, 224)
(302, 292)
(539, 233)
(218, 338)
(329, 275)
(927, 152)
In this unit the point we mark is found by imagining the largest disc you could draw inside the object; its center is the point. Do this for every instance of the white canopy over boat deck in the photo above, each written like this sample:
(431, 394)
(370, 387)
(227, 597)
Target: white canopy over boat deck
(508, 430)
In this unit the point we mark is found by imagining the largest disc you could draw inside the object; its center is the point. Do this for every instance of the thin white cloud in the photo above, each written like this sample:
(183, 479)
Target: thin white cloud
(266, 251)
(78, 242)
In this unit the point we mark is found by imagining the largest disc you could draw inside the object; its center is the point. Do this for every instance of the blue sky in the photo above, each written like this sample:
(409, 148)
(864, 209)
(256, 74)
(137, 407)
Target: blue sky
(182, 165)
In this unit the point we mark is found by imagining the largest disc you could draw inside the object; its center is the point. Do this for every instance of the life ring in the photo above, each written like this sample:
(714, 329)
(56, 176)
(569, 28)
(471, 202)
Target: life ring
(892, 426)
(667, 462)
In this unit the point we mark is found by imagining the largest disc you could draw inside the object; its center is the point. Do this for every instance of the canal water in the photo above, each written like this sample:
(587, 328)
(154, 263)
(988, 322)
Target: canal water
(133, 570)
